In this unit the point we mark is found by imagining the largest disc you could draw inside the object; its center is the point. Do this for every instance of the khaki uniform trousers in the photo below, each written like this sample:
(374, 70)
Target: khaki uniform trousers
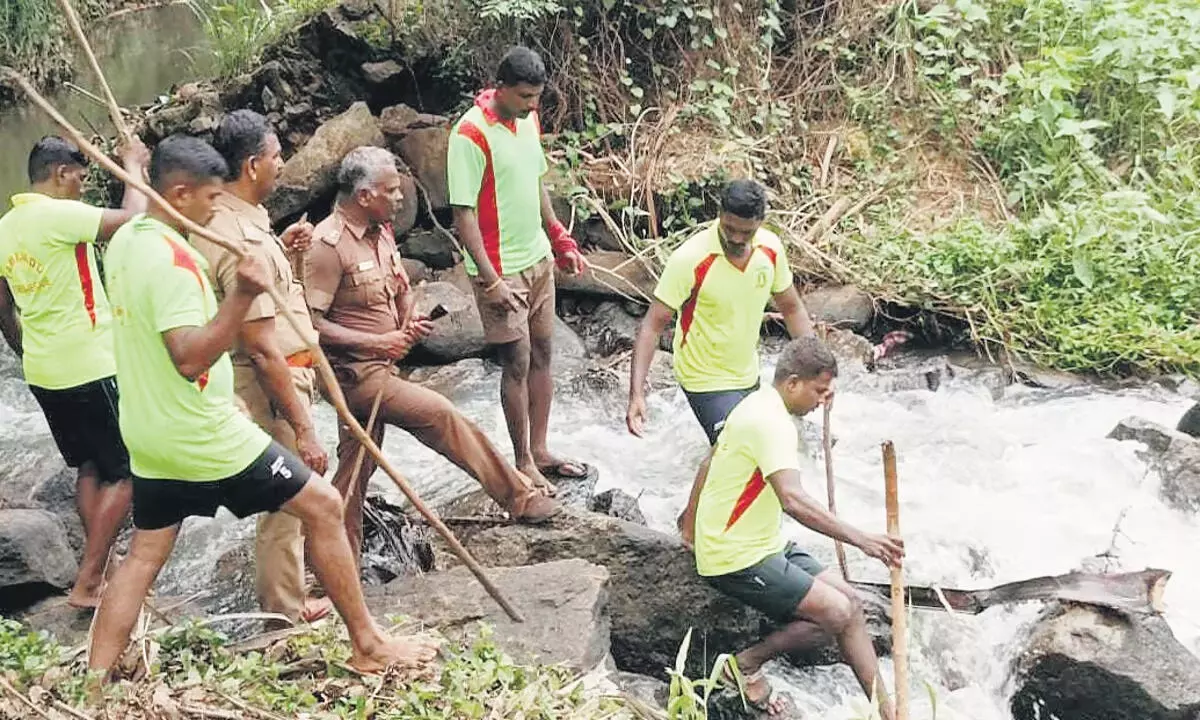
(279, 543)
(431, 419)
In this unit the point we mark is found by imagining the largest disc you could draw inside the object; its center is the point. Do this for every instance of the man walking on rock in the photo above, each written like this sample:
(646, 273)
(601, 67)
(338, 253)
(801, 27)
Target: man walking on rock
(191, 449)
(717, 285)
(362, 306)
(504, 216)
(272, 368)
(733, 519)
(55, 315)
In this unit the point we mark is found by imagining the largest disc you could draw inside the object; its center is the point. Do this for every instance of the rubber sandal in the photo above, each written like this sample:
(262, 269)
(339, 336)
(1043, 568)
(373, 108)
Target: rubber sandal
(556, 471)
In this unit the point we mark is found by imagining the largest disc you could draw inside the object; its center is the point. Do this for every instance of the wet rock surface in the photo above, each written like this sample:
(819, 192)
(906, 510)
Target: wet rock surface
(34, 551)
(1174, 455)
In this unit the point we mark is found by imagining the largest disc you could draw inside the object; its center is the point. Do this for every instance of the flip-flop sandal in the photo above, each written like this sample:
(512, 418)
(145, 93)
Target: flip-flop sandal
(763, 705)
(320, 613)
(556, 471)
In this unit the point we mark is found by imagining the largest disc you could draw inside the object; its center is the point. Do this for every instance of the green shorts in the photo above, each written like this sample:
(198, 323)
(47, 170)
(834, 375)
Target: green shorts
(775, 585)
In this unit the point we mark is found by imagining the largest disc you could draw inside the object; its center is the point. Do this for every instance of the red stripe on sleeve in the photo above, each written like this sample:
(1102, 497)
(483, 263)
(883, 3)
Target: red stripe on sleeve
(688, 311)
(487, 210)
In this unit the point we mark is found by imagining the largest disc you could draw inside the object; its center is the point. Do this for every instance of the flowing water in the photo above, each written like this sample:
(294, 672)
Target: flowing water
(995, 486)
(143, 54)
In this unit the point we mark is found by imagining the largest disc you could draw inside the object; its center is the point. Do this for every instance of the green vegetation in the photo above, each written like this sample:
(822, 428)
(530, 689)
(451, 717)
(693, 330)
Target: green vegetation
(197, 673)
(239, 31)
(33, 37)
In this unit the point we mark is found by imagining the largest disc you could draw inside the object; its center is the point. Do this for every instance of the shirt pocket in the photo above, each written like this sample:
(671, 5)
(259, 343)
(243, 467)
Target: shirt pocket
(366, 287)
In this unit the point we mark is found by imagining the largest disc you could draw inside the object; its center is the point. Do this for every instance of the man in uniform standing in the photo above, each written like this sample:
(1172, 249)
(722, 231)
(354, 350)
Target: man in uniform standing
(272, 368)
(362, 307)
(55, 315)
(503, 214)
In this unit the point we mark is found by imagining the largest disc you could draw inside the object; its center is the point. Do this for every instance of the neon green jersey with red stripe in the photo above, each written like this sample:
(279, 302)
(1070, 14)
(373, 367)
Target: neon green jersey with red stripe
(738, 515)
(175, 428)
(47, 255)
(496, 167)
(719, 308)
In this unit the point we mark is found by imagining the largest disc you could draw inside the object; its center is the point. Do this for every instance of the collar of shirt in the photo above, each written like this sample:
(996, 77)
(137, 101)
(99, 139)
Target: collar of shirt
(26, 198)
(254, 215)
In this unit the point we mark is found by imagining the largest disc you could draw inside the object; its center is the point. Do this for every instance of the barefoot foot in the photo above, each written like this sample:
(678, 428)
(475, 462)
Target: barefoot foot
(540, 483)
(409, 651)
(82, 598)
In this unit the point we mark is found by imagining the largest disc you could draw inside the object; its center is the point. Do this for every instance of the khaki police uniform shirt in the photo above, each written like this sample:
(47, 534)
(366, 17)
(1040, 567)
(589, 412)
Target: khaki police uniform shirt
(353, 274)
(238, 220)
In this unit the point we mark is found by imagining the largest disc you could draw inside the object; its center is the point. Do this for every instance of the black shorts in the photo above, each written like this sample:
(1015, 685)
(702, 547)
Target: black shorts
(84, 422)
(775, 585)
(264, 486)
(712, 408)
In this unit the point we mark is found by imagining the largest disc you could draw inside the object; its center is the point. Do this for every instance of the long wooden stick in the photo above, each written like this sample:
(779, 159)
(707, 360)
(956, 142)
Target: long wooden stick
(323, 367)
(899, 612)
(114, 110)
(362, 449)
(830, 489)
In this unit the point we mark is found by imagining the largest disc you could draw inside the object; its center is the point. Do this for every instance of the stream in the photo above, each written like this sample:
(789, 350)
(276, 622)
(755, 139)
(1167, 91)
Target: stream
(143, 53)
(992, 489)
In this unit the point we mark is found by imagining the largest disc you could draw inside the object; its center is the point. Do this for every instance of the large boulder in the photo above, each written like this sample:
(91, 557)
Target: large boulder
(424, 151)
(608, 329)
(612, 275)
(457, 335)
(312, 171)
(655, 595)
(1083, 663)
(619, 504)
(1174, 455)
(841, 306)
(563, 604)
(406, 216)
(34, 550)
(430, 247)
(34, 476)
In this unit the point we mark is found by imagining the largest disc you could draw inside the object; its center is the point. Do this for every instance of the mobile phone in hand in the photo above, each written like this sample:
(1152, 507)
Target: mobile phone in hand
(438, 311)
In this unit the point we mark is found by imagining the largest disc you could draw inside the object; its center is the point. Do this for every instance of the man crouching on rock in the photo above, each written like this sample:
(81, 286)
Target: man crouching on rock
(191, 449)
(362, 307)
(734, 517)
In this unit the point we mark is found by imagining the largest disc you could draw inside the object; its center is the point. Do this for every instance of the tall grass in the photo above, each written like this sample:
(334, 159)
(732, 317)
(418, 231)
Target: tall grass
(238, 31)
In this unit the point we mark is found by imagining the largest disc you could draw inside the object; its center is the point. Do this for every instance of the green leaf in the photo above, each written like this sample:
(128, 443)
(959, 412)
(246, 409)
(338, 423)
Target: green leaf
(1083, 269)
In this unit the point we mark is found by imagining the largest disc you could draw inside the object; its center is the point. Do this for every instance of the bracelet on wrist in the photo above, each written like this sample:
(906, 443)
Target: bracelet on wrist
(494, 285)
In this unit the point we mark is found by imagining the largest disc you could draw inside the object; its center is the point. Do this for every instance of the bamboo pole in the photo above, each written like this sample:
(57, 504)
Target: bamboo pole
(830, 488)
(899, 614)
(324, 370)
(362, 449)
(114, 110)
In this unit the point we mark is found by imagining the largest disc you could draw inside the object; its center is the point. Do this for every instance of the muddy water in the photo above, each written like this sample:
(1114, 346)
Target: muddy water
(142, 53)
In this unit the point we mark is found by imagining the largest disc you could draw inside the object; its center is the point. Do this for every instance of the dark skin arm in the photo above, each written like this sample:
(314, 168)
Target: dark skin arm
(466, 223)
(10, 323)
(134, 159)
(388, 346)
(687, 519)
(658, 317)
(808, 512)
(271, 368)
(195, 349)
(549, 220)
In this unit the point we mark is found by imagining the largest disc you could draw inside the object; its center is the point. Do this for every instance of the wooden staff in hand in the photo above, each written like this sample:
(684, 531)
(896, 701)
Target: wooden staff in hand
(899, 611)
(827, 444)
(322, 363)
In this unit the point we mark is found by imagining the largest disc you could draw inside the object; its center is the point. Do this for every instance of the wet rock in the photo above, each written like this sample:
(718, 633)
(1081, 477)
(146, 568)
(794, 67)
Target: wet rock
(430, 247)
(394, 121)
(424, 151)
(646, 689)
(563, 602)
(908, 373)
(380, 73)
(457, 276)
(613, 275)
(34, 476)
(569, 350)
(619, 504)
(1175, 456)
(417, 271)
(1083, 663)
(34, 550)
(312, 172)
(1189, 424)
(608, 329)
(1046, 378)
(844, 307)
(655, 593)
(457, 335)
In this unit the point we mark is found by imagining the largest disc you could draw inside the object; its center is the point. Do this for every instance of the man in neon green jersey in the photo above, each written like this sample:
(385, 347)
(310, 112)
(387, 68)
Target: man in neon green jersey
(190, 448)
(55, 316)
(503, 214)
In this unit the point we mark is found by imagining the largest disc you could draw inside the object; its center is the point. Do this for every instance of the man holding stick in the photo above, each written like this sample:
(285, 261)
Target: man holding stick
(503, 214)
(55, 315)
(718, 284)
(191, 449)
(362, 306)
(272, 368)
(734, 516)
